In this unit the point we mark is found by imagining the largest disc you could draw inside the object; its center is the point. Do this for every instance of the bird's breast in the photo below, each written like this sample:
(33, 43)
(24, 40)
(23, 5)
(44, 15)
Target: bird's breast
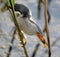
(27, 26)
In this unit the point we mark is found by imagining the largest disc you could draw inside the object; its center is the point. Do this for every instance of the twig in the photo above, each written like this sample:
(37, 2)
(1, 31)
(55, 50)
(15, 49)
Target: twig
(10, 48)
(49, 1)
(3, 7)
(0, 1)
(48, 14)
(35, 50)
(49, 18)
(47, 28)
(21, 35)
(55, 42)
(39, 8)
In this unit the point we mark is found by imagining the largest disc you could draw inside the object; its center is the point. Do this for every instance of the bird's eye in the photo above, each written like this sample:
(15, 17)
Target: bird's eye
(17, 14)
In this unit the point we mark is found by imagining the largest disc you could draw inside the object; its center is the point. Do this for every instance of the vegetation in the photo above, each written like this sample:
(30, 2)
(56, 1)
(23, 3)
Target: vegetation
(21, 34)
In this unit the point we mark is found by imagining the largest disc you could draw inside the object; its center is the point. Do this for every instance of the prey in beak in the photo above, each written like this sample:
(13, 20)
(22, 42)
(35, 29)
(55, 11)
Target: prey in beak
(41, 37)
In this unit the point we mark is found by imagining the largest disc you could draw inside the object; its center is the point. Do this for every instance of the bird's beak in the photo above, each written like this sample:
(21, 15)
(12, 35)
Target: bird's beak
(41, 37)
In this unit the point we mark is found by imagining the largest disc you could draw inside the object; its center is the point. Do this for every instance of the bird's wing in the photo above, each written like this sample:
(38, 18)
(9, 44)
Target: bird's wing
(40, 35)
(40, 31)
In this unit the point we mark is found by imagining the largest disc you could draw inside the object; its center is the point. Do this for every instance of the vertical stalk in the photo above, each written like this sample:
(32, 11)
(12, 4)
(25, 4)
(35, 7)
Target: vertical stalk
(21, 35)
(10, 47)
(35, 50)
(47, 28)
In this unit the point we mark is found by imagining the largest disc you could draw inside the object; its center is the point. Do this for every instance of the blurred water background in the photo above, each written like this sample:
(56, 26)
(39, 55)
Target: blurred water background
(6, 26)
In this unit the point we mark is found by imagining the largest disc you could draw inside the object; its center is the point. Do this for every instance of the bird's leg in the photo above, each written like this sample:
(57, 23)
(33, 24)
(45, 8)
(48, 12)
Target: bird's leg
(42, 39)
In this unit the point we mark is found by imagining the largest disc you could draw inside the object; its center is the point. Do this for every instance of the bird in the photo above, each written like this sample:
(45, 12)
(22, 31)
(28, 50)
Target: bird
(26, 22)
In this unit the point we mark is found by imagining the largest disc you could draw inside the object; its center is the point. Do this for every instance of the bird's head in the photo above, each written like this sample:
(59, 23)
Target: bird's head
(22, 10)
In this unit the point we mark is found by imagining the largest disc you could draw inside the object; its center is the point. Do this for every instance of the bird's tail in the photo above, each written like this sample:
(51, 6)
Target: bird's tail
(43, 40)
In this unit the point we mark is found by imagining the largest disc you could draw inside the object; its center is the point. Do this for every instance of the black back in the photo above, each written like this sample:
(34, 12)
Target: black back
(22, 9)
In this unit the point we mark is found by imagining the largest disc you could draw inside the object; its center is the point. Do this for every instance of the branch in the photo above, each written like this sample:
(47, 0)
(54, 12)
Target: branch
(39, 8)
(21, 35)
(49, 18)
(35, 50)
(47, 28)
(12, 40)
